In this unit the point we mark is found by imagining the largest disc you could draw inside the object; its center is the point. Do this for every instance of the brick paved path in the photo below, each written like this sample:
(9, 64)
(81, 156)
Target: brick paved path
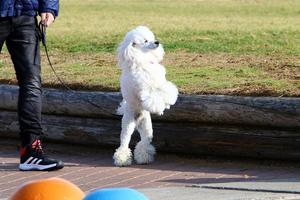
(91, 168)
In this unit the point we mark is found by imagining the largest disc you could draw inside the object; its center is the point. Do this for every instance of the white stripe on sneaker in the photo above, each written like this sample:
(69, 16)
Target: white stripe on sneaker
(33, 161)
(28, 160)
(40, 160)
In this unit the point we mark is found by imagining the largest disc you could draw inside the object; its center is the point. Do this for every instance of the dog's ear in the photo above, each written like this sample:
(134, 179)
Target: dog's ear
(126, 53)
(129, 52)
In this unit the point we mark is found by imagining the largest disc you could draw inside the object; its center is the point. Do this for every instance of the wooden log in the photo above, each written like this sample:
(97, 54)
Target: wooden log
(214, 109)
(69, 103)
(192, 138)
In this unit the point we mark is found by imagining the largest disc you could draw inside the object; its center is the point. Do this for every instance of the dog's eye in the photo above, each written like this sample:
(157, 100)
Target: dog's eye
(146, 41)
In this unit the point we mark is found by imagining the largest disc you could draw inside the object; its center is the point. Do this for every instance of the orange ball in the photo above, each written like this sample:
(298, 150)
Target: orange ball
(48, 189)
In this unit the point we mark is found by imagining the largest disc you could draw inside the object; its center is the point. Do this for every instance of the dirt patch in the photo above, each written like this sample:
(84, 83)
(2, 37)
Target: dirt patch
(99, 71)
(285, 69)
(281, 66)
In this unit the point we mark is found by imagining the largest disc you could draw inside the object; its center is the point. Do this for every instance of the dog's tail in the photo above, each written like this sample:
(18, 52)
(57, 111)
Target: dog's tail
(121, 108)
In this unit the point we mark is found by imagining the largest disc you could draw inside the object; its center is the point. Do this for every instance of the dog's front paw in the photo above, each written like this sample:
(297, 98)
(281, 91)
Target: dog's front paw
(159, 113)
(167, 106)
(157, 109)
(122, 157)
(144, 153)
(170, 94)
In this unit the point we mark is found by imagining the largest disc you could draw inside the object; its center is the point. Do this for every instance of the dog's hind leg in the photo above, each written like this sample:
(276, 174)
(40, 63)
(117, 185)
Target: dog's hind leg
(123, 155)
(144, 151)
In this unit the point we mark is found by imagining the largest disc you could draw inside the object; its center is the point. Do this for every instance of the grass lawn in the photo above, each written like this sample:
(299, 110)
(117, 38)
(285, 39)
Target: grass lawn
(236, 47)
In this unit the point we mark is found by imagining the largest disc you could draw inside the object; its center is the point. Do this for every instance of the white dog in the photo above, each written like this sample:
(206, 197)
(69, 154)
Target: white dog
(145, 90)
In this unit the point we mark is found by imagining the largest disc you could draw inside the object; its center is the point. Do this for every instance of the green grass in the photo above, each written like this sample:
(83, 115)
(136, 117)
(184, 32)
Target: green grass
(239, 47)
(228, 26)
(233, 42)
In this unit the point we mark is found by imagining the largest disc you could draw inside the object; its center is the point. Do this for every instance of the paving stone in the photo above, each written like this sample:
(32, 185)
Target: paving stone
(92, 168)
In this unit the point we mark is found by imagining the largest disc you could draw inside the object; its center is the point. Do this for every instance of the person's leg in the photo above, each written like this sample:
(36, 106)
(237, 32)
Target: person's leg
(23, 46)
(4, 30)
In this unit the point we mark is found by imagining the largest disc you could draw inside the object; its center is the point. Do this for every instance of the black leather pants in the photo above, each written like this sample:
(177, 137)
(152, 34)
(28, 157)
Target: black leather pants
(22, 40)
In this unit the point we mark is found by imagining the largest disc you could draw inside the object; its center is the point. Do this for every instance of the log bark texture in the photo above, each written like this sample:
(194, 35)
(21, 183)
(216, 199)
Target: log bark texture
(213, 109)
(192, 138)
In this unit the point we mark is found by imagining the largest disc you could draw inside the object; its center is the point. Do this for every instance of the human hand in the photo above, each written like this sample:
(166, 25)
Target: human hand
(47, 18)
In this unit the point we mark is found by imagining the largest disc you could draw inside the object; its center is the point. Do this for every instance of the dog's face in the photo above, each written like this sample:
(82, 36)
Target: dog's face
(143, 39)
(140, 46)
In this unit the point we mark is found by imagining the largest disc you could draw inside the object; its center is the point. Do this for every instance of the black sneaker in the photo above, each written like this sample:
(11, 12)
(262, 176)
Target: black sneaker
(34, 159)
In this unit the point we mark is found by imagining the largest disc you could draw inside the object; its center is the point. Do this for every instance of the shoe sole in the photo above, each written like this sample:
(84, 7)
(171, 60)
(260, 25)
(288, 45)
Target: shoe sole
(36, 167)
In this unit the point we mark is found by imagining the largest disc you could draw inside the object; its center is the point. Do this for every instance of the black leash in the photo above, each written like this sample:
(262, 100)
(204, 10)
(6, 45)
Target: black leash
(42, 31)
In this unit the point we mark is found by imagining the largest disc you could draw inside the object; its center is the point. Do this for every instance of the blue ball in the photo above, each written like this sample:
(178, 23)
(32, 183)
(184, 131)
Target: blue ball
(115, 194)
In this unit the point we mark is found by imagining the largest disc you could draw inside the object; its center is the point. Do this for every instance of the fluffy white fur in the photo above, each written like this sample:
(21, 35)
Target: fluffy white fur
(144, 89)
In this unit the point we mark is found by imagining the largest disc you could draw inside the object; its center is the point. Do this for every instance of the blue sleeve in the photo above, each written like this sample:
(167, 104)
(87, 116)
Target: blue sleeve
(49, 6)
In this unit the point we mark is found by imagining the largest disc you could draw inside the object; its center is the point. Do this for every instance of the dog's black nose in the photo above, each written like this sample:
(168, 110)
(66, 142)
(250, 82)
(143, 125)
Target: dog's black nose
(156, 42)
